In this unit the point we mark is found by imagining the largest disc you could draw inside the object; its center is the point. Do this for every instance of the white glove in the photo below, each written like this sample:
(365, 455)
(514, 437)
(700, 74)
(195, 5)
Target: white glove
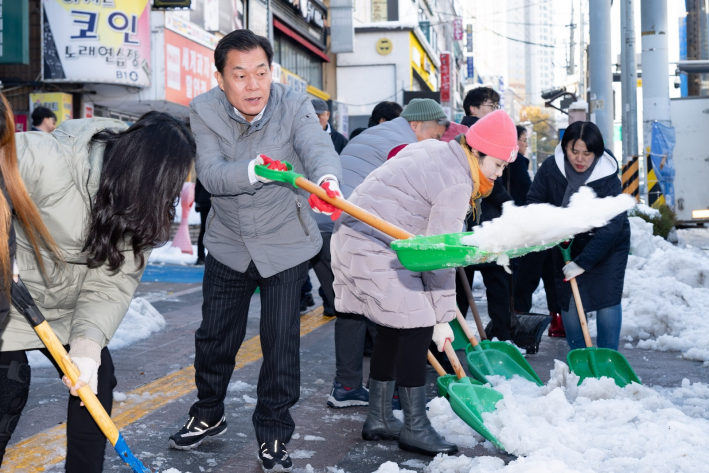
(572, 270)
(253, 177)
(15, 271)
(86, 355)
(441, 333)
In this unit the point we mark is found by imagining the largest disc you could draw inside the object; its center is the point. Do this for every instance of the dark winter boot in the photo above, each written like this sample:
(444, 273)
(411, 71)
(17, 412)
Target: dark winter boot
(418, 435)
(381, 423)
(556, 328)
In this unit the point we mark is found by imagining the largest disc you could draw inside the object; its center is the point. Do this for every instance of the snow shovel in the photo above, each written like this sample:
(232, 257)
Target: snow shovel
(22, 300)
(591, 362)
(508, 360)
(468, 398)
(416, 253)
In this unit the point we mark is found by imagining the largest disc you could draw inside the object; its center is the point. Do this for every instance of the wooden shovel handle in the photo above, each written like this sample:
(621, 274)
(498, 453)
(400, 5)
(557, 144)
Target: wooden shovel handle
(354, 210)
(468, 333)
(473, 306)
(453, 358)
(581, 313)
(436, 365)
(55, 347)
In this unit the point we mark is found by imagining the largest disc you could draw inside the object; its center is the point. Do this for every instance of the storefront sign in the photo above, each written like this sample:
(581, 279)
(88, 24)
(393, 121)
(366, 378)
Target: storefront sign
(469, 38)
(293, 81)
(458, 29)
(88, 111)
(190, 30)
(379, 10)
(445, 77)
(104, 41)
(471, 69)
(384, 46)
(341, 26)
(258, 17)
(189, 68)
(14, 32)
(59, 103)
(308, 11)
(21, 123)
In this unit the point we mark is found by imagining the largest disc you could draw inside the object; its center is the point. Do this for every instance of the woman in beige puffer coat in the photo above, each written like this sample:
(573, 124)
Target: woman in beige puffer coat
(106, 193)
(427, 189)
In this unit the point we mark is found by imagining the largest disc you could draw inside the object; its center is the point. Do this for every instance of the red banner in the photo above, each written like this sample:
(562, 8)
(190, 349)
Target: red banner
(445, 77)
(189, 68)
(458, 29)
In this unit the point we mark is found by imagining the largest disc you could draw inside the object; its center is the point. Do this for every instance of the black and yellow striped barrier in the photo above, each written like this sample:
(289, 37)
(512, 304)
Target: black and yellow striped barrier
(655, 197)
(631, 178)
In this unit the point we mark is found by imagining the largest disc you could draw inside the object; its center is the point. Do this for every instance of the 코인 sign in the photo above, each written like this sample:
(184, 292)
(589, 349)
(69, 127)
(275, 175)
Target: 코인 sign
(102, 41)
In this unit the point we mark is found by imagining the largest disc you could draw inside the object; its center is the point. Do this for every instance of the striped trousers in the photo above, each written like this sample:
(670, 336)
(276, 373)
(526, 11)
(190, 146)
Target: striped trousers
(227, 294)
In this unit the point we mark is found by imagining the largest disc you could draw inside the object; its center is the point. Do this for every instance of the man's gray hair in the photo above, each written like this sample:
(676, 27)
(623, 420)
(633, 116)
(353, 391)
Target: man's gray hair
(440, 121)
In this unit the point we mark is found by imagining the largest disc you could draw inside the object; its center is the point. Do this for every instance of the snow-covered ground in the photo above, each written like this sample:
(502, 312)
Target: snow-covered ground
(141, 320)
(166, 254)
(594, 427)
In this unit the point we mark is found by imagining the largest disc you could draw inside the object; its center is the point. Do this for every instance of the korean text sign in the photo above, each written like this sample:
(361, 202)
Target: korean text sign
(102, 41)
(189, 68)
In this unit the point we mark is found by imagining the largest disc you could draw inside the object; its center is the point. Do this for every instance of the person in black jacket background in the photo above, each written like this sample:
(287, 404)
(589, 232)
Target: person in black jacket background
(202, 204)
(479, 102)
(599, 257)
(533, 266)
(323, 111)
(383, 112)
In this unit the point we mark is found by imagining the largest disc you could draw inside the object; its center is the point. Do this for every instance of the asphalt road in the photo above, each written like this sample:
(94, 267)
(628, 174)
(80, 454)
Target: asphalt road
(157, 378)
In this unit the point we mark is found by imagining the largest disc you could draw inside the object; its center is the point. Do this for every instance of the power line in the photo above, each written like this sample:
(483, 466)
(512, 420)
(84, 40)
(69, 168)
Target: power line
(523, 41)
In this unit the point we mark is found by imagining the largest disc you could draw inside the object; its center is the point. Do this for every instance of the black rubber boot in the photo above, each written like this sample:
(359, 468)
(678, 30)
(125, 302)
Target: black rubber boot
(381, 423)
(418, 435)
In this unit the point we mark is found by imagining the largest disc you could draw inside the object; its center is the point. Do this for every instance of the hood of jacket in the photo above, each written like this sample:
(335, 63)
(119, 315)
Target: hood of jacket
(84, 161)
(606, 166)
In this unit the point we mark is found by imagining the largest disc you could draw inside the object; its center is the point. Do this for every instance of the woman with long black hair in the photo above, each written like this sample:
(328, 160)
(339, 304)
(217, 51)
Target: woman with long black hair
(106, 194)
(599, 257)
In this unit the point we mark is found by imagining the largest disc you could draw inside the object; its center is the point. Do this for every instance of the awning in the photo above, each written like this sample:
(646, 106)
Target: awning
(289, 32)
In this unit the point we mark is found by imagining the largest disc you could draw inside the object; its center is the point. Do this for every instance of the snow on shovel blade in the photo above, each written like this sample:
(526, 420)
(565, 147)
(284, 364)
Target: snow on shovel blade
(490, 361)
(469, 402)
(512, 352)
(429, 253)
(599, 362)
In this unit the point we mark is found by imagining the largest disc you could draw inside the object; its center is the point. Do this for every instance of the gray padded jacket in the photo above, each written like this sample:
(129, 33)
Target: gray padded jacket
(369, 150)
(269, 224)
(425, 190)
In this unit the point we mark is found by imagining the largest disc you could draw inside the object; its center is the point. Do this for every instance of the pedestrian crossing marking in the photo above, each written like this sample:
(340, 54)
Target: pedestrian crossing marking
(47, 448)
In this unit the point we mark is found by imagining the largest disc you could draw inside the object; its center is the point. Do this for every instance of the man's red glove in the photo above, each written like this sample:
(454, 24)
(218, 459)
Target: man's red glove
(272, 163)
(320, 206)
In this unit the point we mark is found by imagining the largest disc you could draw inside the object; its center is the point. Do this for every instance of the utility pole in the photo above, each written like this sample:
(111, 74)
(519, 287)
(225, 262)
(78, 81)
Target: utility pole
(629, 81)
(582, 53)
(571, 69)
(655, 65)
(601, 77)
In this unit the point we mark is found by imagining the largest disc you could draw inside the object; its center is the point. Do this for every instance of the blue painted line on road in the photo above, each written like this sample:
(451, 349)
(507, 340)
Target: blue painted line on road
(173, 273)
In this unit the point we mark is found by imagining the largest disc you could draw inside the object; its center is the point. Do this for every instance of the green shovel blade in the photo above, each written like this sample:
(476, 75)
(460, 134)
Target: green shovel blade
(599, 362)
(461, 339)
(469, 402)
(444, 381)
(429, 253)
(490, 361)
(511, 351)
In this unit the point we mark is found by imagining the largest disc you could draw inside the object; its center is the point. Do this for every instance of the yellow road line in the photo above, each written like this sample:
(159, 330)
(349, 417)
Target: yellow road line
(47, 448)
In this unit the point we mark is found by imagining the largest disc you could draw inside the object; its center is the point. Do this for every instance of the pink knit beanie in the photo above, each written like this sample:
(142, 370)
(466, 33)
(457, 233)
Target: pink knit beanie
(454, 129)
(495, 135)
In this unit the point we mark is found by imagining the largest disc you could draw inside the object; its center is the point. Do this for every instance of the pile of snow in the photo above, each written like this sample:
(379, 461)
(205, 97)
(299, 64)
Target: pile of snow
(141, 320)
(647, 210)
(594, 427)
(539, 224)
(167, 254)
(666, 295)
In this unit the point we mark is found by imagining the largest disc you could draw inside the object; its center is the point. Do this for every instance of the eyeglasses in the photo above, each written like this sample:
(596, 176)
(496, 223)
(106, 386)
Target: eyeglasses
(492, 105)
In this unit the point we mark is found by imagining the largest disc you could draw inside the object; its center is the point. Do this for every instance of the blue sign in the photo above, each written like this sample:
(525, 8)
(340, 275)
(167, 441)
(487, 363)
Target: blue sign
(471, 69)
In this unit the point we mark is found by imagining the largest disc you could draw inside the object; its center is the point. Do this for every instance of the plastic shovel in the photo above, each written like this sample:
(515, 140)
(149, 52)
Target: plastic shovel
(488, 357)
(23, 302)
(593, 362)
(416, 253)
(468, 398)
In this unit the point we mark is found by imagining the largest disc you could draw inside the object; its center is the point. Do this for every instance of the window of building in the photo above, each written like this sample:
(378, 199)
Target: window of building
(297, 59)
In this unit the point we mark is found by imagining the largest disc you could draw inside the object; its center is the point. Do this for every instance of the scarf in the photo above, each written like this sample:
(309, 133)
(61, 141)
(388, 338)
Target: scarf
(575, 179)
(482, 186)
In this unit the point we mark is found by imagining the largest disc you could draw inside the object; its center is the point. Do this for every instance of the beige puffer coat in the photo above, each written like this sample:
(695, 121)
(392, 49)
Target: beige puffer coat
(425, 190)
(62, 177)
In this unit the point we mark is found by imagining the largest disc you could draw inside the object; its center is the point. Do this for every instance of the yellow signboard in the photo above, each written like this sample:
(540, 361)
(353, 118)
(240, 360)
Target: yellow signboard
(59, 103)
(422, 64)
(384, 46)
